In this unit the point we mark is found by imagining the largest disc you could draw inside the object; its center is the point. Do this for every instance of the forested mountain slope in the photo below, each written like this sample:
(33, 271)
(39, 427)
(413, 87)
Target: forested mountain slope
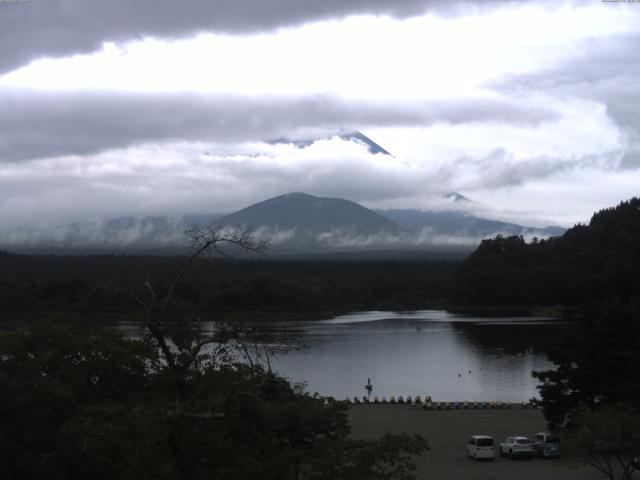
(589, 263)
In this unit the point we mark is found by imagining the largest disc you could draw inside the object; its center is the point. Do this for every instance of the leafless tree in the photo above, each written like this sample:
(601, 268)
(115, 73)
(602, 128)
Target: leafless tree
(179, 340)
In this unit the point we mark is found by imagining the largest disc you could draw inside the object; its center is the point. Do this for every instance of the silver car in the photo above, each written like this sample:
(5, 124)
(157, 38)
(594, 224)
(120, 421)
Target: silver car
(546, 445)
(517, 447)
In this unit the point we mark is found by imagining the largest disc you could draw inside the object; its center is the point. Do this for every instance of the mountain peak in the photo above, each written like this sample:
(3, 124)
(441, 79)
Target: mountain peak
(458, 198)
(295, 195)
(358, 137)
(301, 221)
(355, 136)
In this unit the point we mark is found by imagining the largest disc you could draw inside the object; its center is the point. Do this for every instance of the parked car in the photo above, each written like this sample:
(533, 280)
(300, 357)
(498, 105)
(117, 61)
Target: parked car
(517, 447)
(546, 445)
(480, 446)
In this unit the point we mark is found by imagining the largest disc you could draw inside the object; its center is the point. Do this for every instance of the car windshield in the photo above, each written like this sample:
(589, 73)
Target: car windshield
(523, 441)
(552, 440)
(485, 442)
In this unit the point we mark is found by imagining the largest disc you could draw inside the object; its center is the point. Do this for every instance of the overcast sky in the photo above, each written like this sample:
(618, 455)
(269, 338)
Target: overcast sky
(111, 108)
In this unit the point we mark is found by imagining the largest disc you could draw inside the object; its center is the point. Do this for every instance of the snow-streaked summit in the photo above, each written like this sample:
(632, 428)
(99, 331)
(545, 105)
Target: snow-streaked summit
(355, 136)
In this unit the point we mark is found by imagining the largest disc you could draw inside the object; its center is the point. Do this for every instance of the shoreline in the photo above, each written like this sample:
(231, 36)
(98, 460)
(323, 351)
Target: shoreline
(430, 405)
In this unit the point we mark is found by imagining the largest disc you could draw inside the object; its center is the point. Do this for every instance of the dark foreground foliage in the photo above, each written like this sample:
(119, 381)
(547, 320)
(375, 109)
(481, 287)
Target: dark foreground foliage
(78, 404)
(597, 363)
(608, 439)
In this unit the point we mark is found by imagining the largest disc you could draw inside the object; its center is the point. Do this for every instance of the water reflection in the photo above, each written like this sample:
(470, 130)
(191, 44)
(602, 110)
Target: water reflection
(450, 357)
(431, 352)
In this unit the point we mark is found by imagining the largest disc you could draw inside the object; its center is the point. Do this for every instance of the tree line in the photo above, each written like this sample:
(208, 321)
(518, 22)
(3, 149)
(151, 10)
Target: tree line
(589, 263)
(33, 285)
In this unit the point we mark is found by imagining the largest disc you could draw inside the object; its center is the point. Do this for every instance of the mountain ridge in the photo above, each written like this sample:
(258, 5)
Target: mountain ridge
(295, 222)
(330, 212)
(455, 222)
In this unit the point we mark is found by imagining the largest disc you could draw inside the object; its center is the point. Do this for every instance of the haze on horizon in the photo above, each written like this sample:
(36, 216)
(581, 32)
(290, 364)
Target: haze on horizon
(531, 109)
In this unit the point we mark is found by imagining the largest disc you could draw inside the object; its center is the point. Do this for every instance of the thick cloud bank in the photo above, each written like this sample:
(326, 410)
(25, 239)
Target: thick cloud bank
(56, 28)
(38, 124)
(606, 71)
(531, 107)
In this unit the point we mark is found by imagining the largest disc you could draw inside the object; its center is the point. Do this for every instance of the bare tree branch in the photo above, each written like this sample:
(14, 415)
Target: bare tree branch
(205, 239)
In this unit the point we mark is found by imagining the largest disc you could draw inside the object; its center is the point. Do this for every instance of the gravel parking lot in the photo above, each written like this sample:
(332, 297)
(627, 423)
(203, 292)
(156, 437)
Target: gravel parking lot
(448, 432)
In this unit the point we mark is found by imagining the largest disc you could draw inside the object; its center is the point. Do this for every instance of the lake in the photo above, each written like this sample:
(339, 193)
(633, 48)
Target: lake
(432, 352)
(429, 352)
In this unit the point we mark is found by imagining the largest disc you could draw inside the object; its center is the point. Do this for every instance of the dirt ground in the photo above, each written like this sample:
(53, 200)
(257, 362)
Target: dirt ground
(448, 432)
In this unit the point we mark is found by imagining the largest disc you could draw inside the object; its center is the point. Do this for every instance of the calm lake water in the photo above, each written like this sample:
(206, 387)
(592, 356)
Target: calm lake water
(430, 352)
(450, 357)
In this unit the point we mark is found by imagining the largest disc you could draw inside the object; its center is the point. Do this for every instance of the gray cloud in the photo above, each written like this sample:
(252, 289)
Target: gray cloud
(606, 71)
(630, 160)
(177, 179)
(501, 168)
(53, 28)
(36, 124)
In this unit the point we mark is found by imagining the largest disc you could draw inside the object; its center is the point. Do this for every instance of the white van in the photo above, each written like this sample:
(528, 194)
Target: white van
(480, 446)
